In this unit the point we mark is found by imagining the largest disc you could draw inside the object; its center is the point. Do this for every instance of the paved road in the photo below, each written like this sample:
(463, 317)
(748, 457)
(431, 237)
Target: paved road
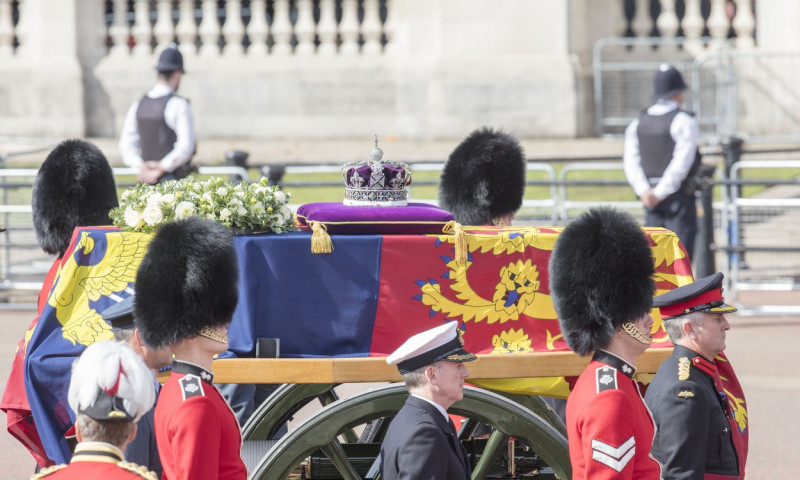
(761, 349)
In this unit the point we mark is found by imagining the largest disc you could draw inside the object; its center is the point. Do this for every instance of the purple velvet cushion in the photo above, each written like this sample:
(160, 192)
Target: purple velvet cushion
(412, 218)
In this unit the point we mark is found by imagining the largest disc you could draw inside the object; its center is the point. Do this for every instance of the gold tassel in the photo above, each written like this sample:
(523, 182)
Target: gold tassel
(461, 240)
(320, 240)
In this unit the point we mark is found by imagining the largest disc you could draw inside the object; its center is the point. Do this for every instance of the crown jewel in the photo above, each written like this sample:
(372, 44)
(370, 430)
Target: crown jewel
(375, 182)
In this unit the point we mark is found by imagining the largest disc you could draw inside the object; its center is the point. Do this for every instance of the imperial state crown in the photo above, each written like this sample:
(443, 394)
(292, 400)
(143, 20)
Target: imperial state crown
(376, 182)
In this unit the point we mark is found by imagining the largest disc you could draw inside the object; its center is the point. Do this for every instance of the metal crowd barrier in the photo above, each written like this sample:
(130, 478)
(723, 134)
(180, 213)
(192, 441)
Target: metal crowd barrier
(22, 263)
(565, 185)
(756, 235)
(761, 249)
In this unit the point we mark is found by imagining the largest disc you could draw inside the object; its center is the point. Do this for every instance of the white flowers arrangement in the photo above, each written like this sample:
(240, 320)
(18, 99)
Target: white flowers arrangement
(244, 207)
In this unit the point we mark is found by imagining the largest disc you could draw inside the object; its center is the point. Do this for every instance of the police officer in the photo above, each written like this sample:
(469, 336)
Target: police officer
(421, 441)
(186, 292)
(600, 281)
(158, 133)
(483, 181)
(142, 449)
(694, 438)
(661, 147)
(109, 391)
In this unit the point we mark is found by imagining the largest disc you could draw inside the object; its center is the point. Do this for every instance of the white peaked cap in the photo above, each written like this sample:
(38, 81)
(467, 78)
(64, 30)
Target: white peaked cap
(440, 343)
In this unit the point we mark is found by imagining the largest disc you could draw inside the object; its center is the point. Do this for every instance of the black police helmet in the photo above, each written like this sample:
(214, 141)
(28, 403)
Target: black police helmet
(170, 60)
(667, 82)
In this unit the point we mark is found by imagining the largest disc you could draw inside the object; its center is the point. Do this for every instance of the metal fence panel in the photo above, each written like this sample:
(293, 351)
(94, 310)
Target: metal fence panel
(761, 237)
(757, 234)
(22, 263)
(748, 94)
(623, 78)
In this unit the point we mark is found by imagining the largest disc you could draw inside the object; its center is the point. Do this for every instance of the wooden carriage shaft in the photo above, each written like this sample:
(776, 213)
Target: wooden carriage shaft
(375, 369)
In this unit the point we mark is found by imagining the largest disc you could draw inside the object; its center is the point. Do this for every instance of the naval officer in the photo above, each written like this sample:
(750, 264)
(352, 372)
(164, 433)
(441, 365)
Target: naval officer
(421, 441)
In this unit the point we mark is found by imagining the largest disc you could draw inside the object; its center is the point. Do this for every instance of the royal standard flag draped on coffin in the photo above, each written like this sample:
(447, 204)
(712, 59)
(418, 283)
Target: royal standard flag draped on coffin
(97, 271)
(500, 295)
(363, 299)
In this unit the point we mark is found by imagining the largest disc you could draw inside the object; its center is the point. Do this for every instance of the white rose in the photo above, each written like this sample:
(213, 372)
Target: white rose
(126, 194)
(258, 209)
(241, 211)
(152, 215)
(168, 199)
(280, 197)
(235, 202)
(183, 210)
(224, 214)
(211, 216)
(153, 199)
(207, 197)
(222, 191)
(286, 211)
(132, 218)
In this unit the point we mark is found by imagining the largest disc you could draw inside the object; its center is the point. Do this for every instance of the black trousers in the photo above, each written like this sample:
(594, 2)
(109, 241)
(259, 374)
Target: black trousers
(678, 213)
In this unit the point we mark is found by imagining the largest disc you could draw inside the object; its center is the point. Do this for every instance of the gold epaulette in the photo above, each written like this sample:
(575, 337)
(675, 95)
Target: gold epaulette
(138, 470)
(47, 471)
(683, 368)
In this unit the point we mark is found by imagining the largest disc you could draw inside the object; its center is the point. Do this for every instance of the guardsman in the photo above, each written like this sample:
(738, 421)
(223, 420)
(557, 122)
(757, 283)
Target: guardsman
(600, 280)
(483, 181)
(74, 187)
(142, 449)
(110, 389)
(186, 292)
(694, 438)
(421, 441)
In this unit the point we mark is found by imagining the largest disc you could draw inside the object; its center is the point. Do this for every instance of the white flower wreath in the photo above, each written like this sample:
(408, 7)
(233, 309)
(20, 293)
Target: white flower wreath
(244, 207)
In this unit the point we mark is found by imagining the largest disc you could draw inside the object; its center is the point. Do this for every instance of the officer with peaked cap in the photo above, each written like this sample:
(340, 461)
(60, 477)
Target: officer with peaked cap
(142, 449)
(74, 187)
(186, 292)
(483, 181)
(600, 281)
(421, 441)
(110, 390)
(694, 439)
(158, 134)
(660, 153)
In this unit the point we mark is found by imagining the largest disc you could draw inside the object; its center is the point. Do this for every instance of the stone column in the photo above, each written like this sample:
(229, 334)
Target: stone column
(774, 13)
(503, 66)
(57, 33)
(590, 21)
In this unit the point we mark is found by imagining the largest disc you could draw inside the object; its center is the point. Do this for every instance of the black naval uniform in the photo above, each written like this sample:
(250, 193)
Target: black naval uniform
(143, 450)
(693, 439)
(422, 444)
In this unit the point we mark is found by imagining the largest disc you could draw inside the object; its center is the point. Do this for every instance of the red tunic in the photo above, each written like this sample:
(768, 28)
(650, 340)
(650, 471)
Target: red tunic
(610, 429)
(96, 460)
(197, 434)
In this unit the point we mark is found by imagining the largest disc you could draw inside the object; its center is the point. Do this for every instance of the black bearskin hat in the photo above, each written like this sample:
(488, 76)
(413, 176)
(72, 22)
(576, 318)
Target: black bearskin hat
(601, 273)
(187, 280)
(73, 188)
(484, 178)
